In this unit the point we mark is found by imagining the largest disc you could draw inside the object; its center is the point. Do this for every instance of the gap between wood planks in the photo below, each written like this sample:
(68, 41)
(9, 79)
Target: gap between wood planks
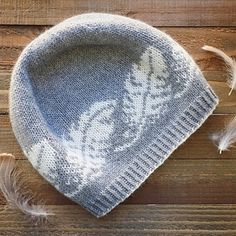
(197, 146)
(194, 173)
(175, 182)
(14, 38)
(154, 12)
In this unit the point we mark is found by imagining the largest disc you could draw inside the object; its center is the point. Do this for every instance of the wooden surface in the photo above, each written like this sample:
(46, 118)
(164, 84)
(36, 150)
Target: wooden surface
(194, 192)
(154, 12)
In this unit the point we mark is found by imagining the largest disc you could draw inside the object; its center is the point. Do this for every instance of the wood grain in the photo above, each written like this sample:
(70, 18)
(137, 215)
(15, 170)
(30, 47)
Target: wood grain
(177, 181)
(154, 12)
(14, 38)
(198, 146)
(132, 220)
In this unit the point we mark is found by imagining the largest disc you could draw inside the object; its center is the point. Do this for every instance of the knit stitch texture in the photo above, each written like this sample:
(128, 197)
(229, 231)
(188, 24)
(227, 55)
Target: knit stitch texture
(99, 101)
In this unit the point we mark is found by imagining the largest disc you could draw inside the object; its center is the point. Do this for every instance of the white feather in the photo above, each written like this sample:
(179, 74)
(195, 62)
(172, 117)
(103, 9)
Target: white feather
(12, 192)
(146, 95)
(227, 137)
(230, 62)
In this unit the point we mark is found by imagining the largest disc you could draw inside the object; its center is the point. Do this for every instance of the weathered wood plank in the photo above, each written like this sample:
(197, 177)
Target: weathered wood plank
(198, 146)
(4, 101)
(227, 104)
(133, 220)
(190, 181)
(175, 182)
(5, 77)
(14, 38)
(157, 13)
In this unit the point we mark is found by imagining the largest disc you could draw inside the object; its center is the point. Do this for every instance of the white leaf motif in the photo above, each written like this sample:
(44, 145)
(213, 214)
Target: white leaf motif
(42, 156)
(186, 69)
(146, 94)
(86, 145)
(92, 133)
(89, 141)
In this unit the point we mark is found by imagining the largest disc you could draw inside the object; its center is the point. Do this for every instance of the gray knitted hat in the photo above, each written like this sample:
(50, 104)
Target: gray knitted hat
(99, 101)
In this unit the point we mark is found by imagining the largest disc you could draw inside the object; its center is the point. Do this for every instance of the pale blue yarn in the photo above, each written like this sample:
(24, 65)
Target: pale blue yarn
(99, 101)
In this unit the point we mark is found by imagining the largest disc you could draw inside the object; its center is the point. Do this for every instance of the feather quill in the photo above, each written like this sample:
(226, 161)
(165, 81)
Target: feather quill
(227, 137)
(11, 191)
(230, 62)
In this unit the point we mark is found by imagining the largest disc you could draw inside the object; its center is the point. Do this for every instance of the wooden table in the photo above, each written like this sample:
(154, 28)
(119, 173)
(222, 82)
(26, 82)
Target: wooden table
(194, 192)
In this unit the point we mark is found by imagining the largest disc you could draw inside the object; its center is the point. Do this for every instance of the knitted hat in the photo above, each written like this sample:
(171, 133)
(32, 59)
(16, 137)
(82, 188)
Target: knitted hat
(99, 101)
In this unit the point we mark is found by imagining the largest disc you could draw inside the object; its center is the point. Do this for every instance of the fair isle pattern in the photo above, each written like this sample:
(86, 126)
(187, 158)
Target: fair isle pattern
(88, 143)
(146, 93)
(85, 147)
(99, 101)
(39, 157)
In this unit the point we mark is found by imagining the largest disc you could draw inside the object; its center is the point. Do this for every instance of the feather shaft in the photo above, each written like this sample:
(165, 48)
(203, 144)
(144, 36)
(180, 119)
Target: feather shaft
(230, 62)
(227, 137)
(11, 191)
